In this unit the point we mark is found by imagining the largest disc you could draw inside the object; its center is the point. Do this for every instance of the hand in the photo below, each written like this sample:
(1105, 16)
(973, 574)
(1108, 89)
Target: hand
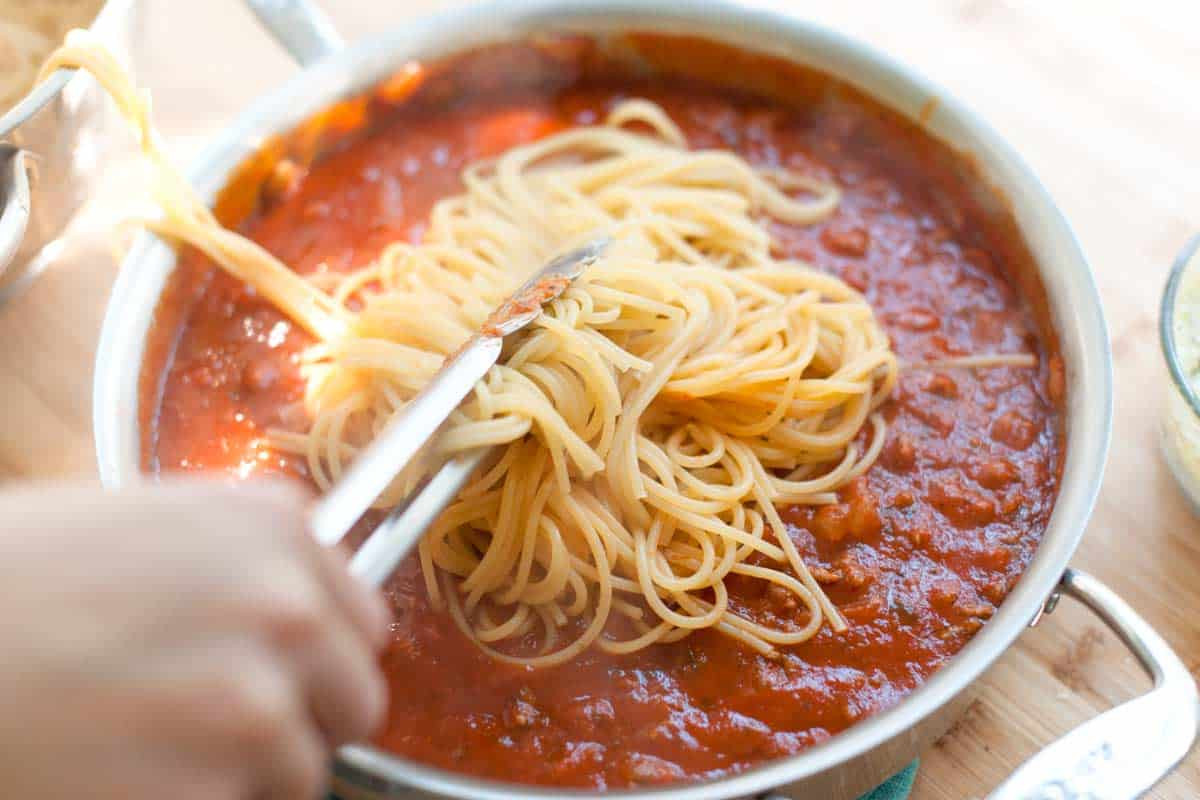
(183, 641)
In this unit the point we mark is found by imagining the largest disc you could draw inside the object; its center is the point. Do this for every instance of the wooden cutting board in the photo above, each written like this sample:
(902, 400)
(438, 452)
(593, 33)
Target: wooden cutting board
(1101, 98)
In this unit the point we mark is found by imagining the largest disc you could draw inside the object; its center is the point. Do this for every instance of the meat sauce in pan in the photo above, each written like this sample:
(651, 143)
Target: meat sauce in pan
(918, 553)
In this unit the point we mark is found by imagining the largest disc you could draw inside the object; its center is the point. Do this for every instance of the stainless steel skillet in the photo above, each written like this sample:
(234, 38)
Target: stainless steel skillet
(1118, 755)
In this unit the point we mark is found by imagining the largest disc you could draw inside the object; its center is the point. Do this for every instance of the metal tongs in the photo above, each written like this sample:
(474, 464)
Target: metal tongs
(419, 421)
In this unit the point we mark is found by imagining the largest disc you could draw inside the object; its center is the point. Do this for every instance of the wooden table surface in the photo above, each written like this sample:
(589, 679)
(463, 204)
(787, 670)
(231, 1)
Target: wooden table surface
(1100, 96)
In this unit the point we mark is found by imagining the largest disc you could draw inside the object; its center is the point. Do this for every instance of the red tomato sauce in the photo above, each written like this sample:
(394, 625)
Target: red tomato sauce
(918, 554)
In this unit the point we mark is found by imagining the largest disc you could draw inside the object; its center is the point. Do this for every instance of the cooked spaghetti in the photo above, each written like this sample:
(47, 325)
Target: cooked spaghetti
(648, 424)
(643, 430)
(29, 31)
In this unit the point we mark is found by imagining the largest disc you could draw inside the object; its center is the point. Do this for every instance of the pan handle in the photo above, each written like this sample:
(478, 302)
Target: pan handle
(1123, 752)
(300, 26)
(15, 203)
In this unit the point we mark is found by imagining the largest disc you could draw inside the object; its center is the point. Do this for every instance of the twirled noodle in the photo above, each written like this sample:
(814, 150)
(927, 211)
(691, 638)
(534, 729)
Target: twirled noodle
(642, 431)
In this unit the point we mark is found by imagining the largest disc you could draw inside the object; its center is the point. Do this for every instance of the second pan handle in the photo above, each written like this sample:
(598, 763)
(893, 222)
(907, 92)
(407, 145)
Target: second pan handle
(1123, 752)
(300, 26)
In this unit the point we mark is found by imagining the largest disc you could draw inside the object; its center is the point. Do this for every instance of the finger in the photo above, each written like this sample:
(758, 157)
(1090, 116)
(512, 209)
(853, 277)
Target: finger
(298, 769)
(364, 606)
(286, 508)
(293, 765)
(288, 498)
(277, 496)
(346, 690)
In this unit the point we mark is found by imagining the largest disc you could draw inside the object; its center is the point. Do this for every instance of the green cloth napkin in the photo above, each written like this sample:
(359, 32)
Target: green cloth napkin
(898, 787)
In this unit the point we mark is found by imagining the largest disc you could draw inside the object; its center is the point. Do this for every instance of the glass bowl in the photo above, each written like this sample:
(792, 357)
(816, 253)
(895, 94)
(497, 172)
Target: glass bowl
(1179, 328)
